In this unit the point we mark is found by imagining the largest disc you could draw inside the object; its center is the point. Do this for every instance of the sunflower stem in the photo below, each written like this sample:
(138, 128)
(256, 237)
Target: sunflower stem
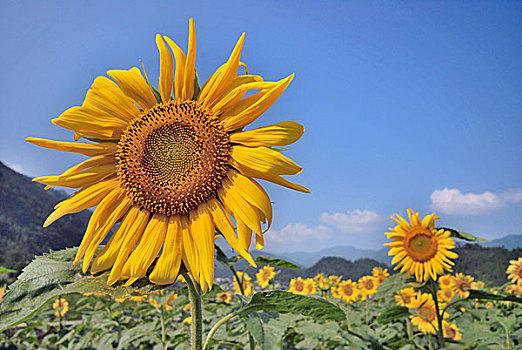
(240, 285)
(196, 329)
(433, 291)
(214, 328)
(163, 334)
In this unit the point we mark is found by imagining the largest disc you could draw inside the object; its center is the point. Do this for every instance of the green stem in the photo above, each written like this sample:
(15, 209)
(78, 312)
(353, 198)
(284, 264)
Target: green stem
(60, 314)
(214, 329)
(196, 313)
(163, 333)
(430, 343)
(408, 329)
(433, 290)
(240, 284)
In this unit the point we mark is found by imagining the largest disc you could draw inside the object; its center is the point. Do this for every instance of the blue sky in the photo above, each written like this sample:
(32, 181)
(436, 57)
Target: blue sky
(405, 104)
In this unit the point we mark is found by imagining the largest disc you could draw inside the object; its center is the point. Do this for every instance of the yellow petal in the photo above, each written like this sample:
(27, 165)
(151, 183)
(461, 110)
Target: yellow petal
(166, 69)
(269, 177)
(105, 98)
(87, 149)
(224, 225)
(240, 209)
(167, 267)
(225, 77)
(83, 178)
(180, 58)
(190, 64)
(260, 242)
(190, 253)
(245, 234)
(132, 227)
(263, 160)
(280, 134)
(147, 249)
(253, 111)
(133, 85)
(231, 100)
(85, 198)
(202, 227)
(251, 191)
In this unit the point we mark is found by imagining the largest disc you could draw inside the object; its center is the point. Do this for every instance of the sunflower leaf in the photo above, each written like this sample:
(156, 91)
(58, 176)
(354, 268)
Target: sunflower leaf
(463, 235)
(268, 260)
(52, 275)
(6, 270)
(483, 295)
(393, 313)
(286, 302)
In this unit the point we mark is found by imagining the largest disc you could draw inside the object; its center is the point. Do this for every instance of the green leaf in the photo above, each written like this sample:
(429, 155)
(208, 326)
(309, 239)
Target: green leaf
(6, 270)
(392, 284)
(224, 259)
(463, 235)
(266, 335)
(268, 260)
(393, 313)
(286, 302)
(483, 295)
(51, 275)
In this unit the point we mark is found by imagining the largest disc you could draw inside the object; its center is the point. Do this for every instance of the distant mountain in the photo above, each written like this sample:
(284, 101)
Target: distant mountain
(307, 259)
(24, 206)
(508, 242)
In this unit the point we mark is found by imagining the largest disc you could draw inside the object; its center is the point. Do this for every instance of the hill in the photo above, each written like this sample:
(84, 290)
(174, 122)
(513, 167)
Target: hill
(24, 206)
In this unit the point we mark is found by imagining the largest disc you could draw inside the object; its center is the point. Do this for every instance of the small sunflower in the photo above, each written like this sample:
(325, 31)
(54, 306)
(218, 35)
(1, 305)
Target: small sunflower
(348, 291)
(445, 282)
(264, 276)
(451, 331)
(461, 284)
(336, 292)
(334, 280)
(246, 284)
(310, 286)
(322, 282)
(2, 293)
(61, 306)
(298, 286)
(380, 274)
(138, 298)
(426, 317)
(419, 248)
(187, 320)
(406, 297)
(514, 289)
(445, 294)
(224, 297)
(172, 166)
(514, 271)
(368, 284)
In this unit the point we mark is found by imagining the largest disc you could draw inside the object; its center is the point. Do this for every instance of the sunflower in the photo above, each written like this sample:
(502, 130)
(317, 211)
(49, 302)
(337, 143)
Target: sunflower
(514, 289)
(426, 317)
(336, 292)
(224, 297)
(187, 320)
(348, 291)
(2, 293)
(334, 280)
(246, 284)
(298, 286)
(451, 331)
(380, 274)
(461, 283)
(322, 282)
(264, 276)
(173, 166)
(368, 284)
(406, 297)
(61, 306)
(310, 286)
(514, 271)
(445, 281)
(420, 248)
(445, 294)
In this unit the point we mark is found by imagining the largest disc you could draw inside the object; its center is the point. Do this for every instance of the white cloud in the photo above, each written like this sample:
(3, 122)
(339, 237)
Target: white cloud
(353, 221)
(452, 201)
(514, 195)
(298, 232)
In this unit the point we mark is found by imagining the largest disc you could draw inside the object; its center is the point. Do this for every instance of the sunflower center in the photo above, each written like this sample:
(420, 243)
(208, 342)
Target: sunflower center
(421, 245)
(369, 284)
(299, 286)
(427, 313)
(172, 158)
(450, 332)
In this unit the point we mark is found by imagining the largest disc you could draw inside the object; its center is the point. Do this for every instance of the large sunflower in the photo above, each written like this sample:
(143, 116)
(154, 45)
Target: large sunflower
(420, 248)
(514, 271)
(172, 165)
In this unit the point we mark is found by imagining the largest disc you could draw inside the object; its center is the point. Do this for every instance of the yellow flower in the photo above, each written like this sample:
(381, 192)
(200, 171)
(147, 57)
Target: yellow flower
(480, 285)
(461, 283)
(514, 289)
(361, 295)
(264, 276)
(336, 292)
(224, 297)
(368, 284)
(406, 297)
(168, 304)
(321, 281)
(380, 274)
(172, 166)
(514, 271)
(348, 291)
(445, 282)
(187, 307)
(310, 286)
(187, 320)
(426, 317)
(451, 331)
(445, 295)
(419, 248)
(138, 298)
(334, 280)
(61, 306)
(297, 286)
(2, 293)
(246, 284)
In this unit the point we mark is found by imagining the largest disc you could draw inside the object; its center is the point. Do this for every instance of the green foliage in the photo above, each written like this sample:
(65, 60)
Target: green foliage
(6, 270)
(463, 235)
(393, 313)
(268, 260)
